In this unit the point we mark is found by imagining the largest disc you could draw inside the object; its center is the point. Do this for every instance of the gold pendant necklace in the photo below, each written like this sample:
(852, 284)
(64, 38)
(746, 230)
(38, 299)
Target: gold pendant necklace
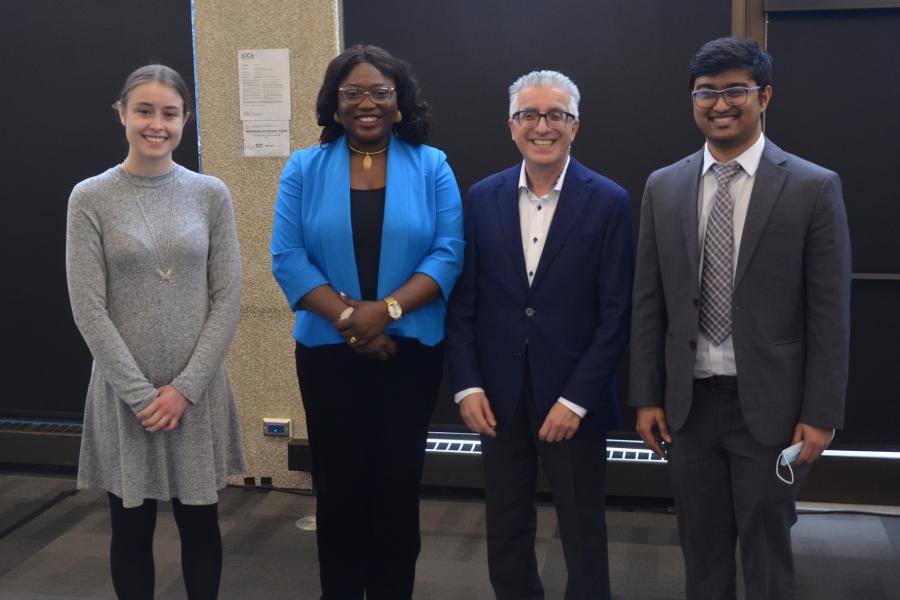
(367, 161)
(164, 272)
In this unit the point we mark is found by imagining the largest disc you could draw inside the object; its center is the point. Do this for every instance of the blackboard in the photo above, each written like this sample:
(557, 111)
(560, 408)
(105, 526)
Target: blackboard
(629, 60)
(835, 103)
(64, 64)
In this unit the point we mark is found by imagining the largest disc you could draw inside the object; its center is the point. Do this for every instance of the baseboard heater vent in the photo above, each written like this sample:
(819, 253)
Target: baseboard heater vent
(39, 441)
(469, 443)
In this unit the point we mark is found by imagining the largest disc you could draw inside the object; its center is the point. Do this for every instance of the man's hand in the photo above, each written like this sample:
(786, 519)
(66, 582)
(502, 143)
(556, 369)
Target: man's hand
(815, 441)
(561, 424)
(476, 413)
(165, 412)
(650, 420)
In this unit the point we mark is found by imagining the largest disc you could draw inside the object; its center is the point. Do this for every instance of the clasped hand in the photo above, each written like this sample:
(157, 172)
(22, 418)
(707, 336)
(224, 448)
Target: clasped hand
(367, 324)
(165, 412)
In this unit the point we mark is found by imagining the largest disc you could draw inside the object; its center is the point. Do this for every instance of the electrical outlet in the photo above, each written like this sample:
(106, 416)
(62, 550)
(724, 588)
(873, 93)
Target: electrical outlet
(277, 427)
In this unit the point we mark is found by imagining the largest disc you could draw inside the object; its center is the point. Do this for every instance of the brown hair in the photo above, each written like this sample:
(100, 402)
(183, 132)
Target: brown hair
(160, 73)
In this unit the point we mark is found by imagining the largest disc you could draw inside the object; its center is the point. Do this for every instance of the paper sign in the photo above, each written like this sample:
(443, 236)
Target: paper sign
(264, 80)
(266, 138)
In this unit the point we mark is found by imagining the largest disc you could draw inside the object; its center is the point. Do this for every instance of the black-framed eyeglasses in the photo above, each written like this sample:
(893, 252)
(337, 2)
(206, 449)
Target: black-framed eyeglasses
(555, 119)
(734, 96)
(355, 95)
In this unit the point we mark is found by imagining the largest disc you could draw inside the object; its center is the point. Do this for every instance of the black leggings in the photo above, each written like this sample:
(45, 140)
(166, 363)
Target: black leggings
(131, 549)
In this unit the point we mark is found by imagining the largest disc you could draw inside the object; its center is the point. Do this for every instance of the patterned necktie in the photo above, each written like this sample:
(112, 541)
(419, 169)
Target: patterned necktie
(718, 259)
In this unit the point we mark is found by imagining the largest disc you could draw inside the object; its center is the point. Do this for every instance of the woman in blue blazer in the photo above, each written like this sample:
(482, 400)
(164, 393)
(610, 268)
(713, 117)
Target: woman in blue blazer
(367, 243)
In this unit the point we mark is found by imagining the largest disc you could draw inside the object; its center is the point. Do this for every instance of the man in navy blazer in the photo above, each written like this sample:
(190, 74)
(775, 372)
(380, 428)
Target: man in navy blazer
(536, 328)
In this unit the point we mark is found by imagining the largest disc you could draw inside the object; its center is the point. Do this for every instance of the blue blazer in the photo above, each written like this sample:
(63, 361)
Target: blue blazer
(574, 318)
(312, 237)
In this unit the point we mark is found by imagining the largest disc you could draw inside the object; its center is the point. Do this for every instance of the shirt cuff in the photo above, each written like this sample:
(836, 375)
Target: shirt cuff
(578, 410)
(459, 396)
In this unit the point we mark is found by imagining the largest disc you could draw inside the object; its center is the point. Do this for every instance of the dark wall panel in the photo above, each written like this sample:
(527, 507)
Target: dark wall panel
(836, 96)
(63, 66)
(835, 103)
(798, 5)
(629, 60)
(873, 394)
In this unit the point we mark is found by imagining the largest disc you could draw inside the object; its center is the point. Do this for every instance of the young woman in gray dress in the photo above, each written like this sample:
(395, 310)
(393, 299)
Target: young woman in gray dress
(154, 279)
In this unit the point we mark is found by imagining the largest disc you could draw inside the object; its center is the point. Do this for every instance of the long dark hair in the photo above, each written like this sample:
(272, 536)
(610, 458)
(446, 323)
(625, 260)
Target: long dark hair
(416, 123)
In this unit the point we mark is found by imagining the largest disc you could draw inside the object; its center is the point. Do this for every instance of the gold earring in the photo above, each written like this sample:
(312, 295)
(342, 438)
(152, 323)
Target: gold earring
(398, 117)
(336, 118)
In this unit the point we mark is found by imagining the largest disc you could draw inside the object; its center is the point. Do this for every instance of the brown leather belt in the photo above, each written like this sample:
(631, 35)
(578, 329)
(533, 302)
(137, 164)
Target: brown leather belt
(718, 383)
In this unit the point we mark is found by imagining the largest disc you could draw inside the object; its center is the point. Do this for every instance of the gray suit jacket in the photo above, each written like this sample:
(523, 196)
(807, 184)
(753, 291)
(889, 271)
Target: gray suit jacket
(791, 300)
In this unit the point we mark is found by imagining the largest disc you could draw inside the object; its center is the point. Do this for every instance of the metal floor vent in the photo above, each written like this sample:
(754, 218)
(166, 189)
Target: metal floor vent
(466, 443)
(617, 450)
(49, 442)
(40, 426)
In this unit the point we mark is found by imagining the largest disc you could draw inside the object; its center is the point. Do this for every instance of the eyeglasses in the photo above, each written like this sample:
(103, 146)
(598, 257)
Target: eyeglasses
(734, 96)
(555, 119)
(378, 95)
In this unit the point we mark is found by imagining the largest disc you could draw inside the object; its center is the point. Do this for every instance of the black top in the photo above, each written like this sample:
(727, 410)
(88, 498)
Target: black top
(367, 218)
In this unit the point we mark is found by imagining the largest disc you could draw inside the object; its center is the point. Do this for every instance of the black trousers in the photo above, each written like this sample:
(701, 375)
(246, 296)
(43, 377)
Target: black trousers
(726, 492)
(131, 549)
(576, 470)
(368, 423)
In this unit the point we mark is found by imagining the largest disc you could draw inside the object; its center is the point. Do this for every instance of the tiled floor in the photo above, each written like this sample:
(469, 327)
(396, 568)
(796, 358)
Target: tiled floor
(62, 552)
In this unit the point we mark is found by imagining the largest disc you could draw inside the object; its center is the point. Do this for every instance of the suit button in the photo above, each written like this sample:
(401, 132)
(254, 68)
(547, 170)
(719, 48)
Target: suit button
(529, 312)
(696, 302)
(692, 344)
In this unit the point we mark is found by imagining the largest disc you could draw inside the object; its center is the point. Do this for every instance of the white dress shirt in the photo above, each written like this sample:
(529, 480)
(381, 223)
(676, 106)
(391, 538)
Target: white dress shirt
(535, 216)
(719, 360)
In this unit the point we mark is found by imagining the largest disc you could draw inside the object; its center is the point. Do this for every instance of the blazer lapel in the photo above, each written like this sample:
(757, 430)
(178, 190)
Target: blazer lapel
(510, 228)
(687, 194)
(571, 201)
(401, 190)
(767, 186)
(339, 258)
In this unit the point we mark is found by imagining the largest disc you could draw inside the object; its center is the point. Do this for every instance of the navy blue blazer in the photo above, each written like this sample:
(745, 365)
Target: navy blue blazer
(571, 324)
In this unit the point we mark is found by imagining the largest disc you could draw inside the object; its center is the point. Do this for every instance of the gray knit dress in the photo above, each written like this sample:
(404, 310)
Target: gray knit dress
(144, 332)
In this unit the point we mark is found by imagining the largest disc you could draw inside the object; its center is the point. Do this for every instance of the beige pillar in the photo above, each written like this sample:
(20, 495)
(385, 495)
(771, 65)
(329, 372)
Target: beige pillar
(261, 362)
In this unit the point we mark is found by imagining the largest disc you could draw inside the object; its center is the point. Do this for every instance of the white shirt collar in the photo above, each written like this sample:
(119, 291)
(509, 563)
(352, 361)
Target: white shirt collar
(557, 187)
(749, 158)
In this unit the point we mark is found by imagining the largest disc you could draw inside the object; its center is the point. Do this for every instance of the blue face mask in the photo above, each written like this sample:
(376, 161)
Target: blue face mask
(785, 458)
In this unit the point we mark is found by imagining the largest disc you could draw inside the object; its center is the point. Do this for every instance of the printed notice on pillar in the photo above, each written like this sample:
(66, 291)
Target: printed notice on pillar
(264, 79)
(266, 138)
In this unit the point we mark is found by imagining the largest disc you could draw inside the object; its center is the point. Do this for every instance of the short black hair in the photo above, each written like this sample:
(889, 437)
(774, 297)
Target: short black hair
(416, 124)
(728, 53)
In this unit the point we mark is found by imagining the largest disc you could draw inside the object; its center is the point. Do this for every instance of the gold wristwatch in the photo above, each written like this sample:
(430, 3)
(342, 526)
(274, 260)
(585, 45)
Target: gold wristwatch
(395, 311)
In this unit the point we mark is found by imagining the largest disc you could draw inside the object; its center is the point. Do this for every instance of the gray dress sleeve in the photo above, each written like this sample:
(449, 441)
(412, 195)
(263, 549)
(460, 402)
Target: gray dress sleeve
(224, 280)
(86, 278)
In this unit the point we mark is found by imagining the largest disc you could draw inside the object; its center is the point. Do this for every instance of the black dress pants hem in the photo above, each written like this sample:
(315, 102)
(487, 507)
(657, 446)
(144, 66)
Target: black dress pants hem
(727, 494)
(368, 424)
(576, 471)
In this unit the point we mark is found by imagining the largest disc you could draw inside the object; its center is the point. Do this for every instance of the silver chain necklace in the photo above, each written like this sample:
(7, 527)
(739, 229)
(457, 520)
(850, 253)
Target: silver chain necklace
(165, 270)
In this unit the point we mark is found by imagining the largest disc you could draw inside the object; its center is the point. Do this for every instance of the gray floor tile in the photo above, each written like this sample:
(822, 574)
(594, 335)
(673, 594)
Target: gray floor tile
(63, 553)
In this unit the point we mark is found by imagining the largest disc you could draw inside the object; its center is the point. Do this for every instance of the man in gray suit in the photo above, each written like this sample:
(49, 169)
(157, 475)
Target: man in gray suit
(740, 327)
